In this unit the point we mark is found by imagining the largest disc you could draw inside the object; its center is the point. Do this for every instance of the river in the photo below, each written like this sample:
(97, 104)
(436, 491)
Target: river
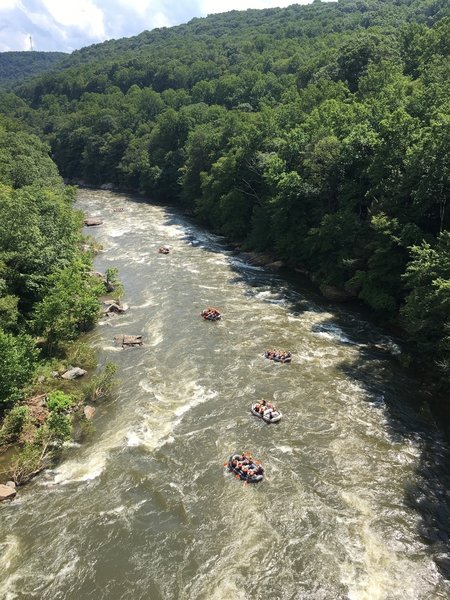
(355, 500)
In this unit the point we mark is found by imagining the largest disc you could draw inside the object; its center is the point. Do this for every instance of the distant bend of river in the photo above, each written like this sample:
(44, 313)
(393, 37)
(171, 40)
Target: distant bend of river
(355, 500)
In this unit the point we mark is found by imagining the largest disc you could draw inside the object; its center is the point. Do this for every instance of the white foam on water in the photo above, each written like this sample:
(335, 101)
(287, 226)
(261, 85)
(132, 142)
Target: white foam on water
(133, 439)
(376, 571)
(167, 411)
(112, 348)
(9, 552)
(244, 265)
(285, 449)
(91, 464)
(118, 232)
(333, 332)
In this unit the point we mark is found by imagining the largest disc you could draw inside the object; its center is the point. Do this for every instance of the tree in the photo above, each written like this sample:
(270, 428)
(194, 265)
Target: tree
(18, 359)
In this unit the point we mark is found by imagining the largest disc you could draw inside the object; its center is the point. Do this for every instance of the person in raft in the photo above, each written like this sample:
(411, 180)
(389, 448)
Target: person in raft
(210, 313)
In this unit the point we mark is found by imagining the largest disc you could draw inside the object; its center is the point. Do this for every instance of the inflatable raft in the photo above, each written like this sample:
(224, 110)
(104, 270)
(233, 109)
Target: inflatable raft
(270, 415)
(278, 356)
(211, 314)
(243, 464)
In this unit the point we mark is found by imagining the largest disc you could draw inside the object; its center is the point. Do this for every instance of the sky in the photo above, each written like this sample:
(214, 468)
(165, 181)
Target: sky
(65, 25)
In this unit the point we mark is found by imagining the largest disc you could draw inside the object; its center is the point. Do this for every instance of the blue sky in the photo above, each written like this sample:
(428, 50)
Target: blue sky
(66, 25)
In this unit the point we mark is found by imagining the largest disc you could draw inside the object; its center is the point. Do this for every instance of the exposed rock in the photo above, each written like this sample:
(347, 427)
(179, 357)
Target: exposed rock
(89, 412)
(128, 340)
(55, 374)
(276, 265)
(7, 492)
(11, 484)
(73, 373)
(91, 221)
(107, 186)
(114, 308)
(334, 293)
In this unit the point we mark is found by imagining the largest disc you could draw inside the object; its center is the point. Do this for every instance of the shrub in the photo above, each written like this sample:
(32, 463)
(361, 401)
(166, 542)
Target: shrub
(13, 424)
(59, 402)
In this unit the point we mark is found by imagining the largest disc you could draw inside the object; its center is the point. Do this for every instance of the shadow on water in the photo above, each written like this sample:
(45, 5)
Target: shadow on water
(387, 385)
(408, 416)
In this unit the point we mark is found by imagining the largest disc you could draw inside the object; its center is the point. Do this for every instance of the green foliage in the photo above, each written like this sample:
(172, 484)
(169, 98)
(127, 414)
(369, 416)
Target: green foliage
(80, 354)
(101, 385)
(319, 133)
(17, 66)
(28, 462)
(70, 306)
(13, 424)
(426, 313)
(18, 357)
(113, 283)
(57, 429)
(59, 402)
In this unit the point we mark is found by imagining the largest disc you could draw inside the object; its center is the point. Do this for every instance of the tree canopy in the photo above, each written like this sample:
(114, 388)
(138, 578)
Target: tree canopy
(319, 133)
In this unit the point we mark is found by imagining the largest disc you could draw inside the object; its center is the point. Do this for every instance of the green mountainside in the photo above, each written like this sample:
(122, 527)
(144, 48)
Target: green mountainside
(17, 66)
(318, 133)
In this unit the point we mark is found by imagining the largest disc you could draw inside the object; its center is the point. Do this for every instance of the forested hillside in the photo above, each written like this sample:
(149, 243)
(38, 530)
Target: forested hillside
(48, 296)
(320, 133)
(17, 66)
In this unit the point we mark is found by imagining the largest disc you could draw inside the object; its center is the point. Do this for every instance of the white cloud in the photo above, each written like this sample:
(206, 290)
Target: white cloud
(140, 7)
(9, 4)
(68, 24)
(82, 14)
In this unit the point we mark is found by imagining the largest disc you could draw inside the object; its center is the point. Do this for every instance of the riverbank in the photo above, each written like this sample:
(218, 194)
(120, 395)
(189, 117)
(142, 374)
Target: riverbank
(435, 386)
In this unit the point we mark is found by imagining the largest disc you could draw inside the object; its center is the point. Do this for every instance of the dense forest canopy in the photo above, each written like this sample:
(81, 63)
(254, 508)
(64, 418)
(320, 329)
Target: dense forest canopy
(17, 66)
(320, 133)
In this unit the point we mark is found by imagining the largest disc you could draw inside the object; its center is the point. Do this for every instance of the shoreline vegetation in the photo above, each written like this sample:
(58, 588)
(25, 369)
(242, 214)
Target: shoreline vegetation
(316, 134)
(49, 296)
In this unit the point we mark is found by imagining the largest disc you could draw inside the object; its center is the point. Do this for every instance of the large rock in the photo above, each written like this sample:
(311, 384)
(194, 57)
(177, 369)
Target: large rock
(276, 265)
(73, 373)
(92, 221)
(7, 492)
(107, 186)
(334, 293)
(114, 308)
(89, 412)
(128, 340)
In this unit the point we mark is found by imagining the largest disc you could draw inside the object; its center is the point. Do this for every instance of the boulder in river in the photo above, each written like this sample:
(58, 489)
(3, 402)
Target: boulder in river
(7, 492)
(73, 373)
(128, 340)
(92, 221)
(114, 308)
(89, 412)
(334, 293)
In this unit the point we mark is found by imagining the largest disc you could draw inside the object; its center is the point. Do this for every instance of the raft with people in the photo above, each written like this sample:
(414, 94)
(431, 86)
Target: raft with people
(278, 355)
(245, 467)
(211, 314)
(266, 411)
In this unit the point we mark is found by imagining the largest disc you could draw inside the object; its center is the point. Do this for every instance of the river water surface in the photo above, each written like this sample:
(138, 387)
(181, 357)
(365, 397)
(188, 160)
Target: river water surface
(145, 508)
